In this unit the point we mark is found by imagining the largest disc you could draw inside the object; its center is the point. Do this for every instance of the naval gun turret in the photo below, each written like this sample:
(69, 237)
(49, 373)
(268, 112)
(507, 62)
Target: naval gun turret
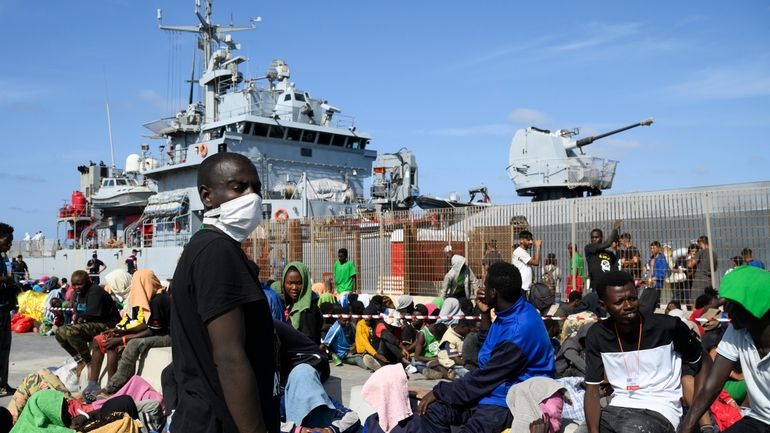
(549, 165)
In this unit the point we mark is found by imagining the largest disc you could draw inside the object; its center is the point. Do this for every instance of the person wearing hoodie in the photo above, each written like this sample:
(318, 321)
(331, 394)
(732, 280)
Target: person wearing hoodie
(514, 348)
(45, 412)
(301, 302)
(459, 281)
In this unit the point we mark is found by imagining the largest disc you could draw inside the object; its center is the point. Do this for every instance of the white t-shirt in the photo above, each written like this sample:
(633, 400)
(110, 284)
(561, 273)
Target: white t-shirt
(737, 345)
(520, 259)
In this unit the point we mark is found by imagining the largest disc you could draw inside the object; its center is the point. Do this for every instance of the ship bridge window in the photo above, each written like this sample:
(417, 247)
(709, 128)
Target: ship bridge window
(324, 138)
(299, 97)
(338, 140)
(121, 182)
(306, 152)
(294, 134)
(260, 129)
(354, 142)
(364, 143)
(287, 97)
(276, 132)
(309, 136)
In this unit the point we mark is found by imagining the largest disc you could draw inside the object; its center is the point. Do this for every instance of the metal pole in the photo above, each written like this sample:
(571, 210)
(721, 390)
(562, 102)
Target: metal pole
(573, 227)
(707, 211)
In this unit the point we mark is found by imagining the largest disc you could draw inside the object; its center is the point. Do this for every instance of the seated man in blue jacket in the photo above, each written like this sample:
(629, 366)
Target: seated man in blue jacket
(513, 348)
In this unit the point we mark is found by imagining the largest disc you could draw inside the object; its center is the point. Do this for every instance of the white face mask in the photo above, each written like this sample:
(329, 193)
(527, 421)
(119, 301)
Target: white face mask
(237, 217)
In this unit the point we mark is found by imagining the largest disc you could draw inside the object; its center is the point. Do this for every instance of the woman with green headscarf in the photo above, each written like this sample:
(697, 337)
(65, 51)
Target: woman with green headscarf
(301, 302)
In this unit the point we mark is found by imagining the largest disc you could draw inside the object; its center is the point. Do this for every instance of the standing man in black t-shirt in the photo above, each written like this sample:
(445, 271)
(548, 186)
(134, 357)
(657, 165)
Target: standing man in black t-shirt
(131, 262)
(222, 338)
(599, 257)
(95, 267)
(8, 291)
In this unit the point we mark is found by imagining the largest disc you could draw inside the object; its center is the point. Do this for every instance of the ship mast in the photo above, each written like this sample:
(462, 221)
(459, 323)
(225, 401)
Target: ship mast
(210, 38)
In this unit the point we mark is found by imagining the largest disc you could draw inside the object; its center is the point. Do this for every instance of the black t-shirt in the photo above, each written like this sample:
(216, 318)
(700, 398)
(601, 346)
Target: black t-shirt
(131, 264)
(160, 312)
(212, 277)
(96, 305)
(627, 254)
(94, 265)
(600, 259)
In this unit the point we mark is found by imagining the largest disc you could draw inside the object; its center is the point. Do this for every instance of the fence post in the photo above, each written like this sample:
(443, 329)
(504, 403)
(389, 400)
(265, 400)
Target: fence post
(295, 240)
(707, 211)
(573, 240)
(410, 251)
(381, 255)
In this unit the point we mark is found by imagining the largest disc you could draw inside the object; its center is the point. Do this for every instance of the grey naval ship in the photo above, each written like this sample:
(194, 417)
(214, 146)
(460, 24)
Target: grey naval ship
(311, 158)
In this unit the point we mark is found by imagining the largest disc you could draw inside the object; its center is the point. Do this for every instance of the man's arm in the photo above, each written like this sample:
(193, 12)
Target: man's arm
(592, 409)
(486, 316)
(576, 360)
(708, 392)
(239, 385)
(535, 261)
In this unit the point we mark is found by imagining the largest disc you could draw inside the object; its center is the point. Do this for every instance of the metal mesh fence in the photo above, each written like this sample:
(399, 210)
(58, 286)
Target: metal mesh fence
(404, 252)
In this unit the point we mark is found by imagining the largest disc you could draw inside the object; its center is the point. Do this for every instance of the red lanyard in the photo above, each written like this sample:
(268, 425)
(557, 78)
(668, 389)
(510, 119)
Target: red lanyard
(632, 386)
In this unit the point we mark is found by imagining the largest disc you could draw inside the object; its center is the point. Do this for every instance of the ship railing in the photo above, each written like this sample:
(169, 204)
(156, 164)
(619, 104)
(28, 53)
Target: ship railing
(33, 248)
(398, 252)
(338, 120)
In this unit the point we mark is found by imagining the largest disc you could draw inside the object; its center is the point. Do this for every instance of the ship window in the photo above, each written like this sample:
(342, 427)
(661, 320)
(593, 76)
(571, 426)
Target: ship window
(306, 152)
(276, 132)
(120, 182)
(260, 129)
(308, 136)
(299, 97)
(353, 142)
(293, 134)
(324, 138)
(338, 140)
(364, 143)
(287, 97)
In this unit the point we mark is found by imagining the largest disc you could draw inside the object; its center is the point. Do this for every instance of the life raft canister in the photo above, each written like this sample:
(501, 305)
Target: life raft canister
(203, 150)
(281, 215)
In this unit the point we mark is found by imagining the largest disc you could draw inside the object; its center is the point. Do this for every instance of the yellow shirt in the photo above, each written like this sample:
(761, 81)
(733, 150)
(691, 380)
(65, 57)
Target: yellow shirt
(363, 345)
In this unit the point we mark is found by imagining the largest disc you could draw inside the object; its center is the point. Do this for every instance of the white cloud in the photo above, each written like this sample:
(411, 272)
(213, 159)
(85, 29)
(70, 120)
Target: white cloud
(728, 82)
(601, 34)
(528, 116)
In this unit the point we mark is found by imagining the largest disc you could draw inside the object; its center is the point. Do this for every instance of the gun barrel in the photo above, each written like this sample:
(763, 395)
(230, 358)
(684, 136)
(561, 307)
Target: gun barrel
(588, 140)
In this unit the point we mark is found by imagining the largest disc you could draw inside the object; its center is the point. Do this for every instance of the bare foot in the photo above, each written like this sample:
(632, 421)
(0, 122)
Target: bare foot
(79, 369)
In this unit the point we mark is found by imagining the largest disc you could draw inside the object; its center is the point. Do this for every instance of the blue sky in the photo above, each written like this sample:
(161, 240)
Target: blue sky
(448, 80)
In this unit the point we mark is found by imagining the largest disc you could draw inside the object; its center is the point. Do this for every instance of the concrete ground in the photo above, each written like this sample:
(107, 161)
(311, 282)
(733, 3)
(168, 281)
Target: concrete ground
(31, 352)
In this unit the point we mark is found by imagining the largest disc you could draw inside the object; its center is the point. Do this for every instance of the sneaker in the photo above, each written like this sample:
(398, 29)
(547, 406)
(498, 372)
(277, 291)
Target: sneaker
(7, 390)
(411, 369)
(336, 360)
(432, 374)
(371, 363)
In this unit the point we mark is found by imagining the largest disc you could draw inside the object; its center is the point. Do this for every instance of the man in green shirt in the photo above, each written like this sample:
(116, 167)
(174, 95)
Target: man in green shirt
(344, 274)
(575, 262)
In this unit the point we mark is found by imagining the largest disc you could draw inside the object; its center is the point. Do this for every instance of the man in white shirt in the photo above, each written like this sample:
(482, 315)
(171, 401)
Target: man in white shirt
(746, 341)
(523, 261)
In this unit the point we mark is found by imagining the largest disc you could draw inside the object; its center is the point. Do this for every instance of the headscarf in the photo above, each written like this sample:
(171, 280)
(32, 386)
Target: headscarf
(386, 391)
(42, 413)
(525, 399)
(144, 285)
(748, 286)
(404, 301)
(118, 283)
(451, 307)
(304, 393)
(431, 308)
(305, 297)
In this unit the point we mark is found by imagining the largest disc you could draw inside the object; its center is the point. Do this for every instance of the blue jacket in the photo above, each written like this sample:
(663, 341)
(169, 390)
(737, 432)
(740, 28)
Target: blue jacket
(515, 348)
(659, 270)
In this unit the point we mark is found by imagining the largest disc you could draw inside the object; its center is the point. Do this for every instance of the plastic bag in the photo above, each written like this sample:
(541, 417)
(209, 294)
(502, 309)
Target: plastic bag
(32, 304)
(21, 324)
(66, 373)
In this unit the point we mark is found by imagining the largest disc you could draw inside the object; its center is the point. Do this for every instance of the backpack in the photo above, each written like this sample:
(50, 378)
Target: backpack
(541, 296)
(548, 278)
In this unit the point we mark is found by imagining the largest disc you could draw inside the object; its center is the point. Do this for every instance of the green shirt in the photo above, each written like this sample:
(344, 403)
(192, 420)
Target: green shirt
(577, 262)
(430, 347)
(343, 276)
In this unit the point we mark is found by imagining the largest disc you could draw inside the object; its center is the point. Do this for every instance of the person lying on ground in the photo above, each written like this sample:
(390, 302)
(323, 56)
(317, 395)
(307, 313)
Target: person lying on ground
(96, 312)
(514, 348)
(746, 341)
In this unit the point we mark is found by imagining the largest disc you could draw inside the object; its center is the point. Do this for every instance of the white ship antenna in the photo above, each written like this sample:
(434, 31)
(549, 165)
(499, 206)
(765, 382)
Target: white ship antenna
(109, 121)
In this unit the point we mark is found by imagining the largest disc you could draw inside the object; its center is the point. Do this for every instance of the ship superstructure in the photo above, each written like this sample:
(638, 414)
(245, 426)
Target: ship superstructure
(311, 159)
